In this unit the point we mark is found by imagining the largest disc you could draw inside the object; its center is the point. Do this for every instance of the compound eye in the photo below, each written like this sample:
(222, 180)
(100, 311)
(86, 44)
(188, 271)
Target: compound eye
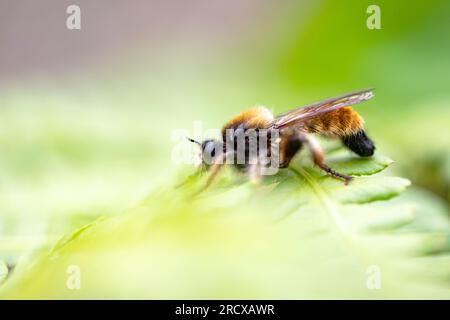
(210, 149)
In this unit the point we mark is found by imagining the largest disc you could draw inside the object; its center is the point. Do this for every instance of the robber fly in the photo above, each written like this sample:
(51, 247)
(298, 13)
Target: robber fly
(331, 118)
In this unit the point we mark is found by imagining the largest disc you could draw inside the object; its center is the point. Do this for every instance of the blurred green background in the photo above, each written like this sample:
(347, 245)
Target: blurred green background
(87, 116)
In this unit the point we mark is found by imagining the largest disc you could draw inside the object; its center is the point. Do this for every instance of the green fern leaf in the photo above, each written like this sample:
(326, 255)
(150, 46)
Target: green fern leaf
(298, 234)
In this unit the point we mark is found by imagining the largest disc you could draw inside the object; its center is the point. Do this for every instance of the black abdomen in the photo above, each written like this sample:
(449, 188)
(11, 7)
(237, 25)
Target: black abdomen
(360, 143)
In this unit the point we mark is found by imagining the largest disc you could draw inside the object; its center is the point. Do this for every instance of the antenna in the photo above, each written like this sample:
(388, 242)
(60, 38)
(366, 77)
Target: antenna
(194, 141)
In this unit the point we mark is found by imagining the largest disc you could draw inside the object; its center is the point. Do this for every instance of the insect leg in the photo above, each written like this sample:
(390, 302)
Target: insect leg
(319, 158)
(289, 147)
(254, 170)
(214, 169)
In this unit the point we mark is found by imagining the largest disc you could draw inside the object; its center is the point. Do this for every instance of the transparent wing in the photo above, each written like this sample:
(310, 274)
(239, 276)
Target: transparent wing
(299, 115)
